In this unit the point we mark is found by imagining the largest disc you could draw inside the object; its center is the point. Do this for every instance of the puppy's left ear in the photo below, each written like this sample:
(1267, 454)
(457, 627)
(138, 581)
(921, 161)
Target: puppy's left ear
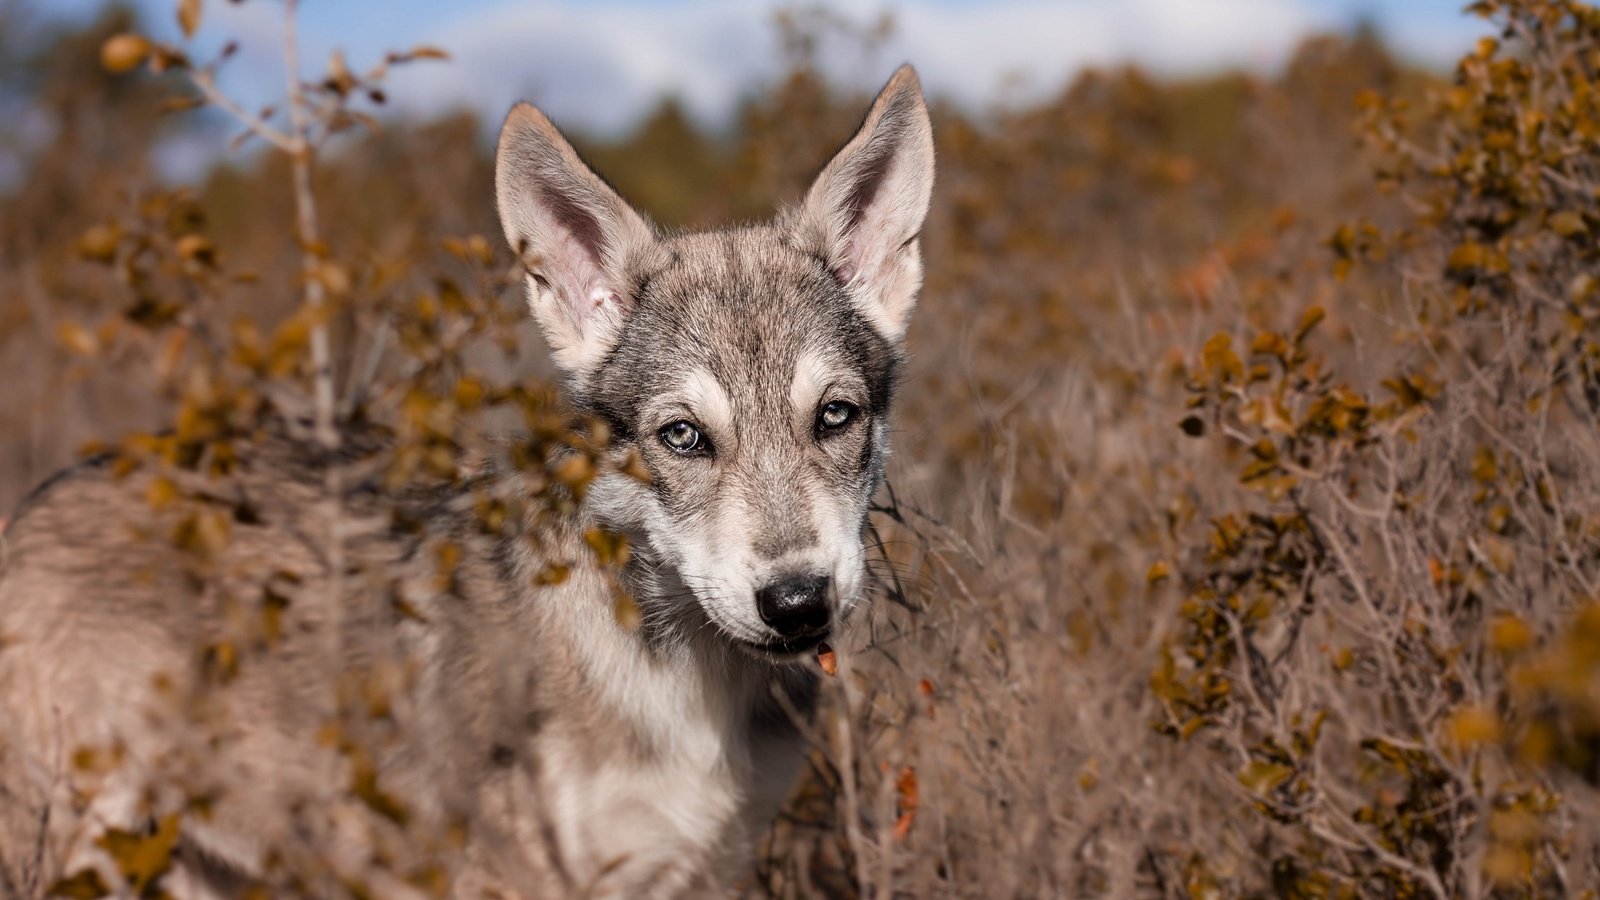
(864, 212)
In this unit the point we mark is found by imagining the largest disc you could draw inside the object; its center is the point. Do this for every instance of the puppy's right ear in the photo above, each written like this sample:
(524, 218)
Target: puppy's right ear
(577, 239)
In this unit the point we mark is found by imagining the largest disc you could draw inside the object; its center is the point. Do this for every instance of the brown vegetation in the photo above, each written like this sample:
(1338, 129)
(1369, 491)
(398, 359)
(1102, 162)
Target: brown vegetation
(1244, 537)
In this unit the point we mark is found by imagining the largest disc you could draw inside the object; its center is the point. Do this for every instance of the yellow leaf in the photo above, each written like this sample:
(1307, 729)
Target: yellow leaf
(447, 556)
(1269, 343)
(221, 661)
(1274, 417)
(196, 248)
(1343, 659)
(1089, 774)
(1568, 224)
(1262, 776)
(1159, 571)
(364, 784)
(339, 77)
(1473, 257)
(1507, 865)
(333, 277)
(609, 548)
(1309, 320)
(189, 16)
(99, 244)
(85, 885)
(575, 470)
(1483, 466)
(161, 492)
(1471, 726)
(142, 858)
(1219, 358)
(124, 52)
(626, 611)
(77, 339)
(1509, 634)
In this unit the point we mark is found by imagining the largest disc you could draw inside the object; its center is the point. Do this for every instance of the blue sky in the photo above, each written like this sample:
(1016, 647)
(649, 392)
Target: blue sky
(598, 63)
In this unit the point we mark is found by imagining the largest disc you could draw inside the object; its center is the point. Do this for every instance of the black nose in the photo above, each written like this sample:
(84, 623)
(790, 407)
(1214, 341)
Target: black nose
(795, 605)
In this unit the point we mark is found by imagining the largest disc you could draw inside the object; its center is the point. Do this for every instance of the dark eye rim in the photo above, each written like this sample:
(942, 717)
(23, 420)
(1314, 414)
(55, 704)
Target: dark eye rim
(852, 413)
(701, 446)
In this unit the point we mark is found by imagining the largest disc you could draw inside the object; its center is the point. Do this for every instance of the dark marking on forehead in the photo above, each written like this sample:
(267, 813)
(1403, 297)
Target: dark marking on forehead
(744, 306)
(738, 303)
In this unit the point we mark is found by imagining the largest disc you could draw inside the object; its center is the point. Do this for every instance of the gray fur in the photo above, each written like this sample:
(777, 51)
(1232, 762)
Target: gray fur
(582, 755)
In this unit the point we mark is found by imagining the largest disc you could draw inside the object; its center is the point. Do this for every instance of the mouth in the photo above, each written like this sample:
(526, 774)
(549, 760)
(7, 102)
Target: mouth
(784, 649)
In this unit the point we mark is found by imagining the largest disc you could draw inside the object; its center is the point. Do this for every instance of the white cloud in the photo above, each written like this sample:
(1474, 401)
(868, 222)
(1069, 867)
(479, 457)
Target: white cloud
(599, 64)
(971, 52)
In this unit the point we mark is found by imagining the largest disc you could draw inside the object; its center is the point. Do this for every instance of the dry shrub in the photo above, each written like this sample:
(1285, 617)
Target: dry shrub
(1372, 644)
(1245, 532)
(1344, 645)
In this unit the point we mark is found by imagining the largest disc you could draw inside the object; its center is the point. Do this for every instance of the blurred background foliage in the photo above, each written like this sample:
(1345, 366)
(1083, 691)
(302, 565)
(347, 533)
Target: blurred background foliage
(1246, 518)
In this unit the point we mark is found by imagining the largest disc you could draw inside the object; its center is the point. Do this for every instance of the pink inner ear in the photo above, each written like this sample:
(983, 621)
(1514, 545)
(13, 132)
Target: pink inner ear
(575, 275)
(599, 298)
(868, 249)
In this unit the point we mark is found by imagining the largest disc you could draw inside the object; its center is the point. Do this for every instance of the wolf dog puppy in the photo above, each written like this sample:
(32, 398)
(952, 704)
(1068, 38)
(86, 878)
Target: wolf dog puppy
(751, 370)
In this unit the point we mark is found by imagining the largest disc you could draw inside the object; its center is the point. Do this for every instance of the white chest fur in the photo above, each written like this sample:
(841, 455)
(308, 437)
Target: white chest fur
(665, 782)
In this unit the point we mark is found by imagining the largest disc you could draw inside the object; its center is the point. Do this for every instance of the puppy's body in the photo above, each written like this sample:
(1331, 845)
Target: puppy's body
(751, 371)
(649, 753)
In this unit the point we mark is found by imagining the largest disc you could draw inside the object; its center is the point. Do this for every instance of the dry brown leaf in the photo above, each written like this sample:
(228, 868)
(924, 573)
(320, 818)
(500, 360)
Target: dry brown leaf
(124, 52)
(189, 16)
(828, 660)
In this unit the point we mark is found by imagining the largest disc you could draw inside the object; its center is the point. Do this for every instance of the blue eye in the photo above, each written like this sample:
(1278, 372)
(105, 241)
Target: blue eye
(682, 437)
(835, 416)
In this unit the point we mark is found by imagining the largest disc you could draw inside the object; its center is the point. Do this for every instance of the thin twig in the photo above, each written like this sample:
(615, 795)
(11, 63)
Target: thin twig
(257, 126)
(300, 157)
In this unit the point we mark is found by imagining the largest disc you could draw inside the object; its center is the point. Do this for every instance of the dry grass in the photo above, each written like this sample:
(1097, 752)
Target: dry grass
(1245, 532)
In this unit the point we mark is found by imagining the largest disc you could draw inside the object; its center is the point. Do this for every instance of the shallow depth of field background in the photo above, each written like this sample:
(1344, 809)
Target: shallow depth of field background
(1245, 536)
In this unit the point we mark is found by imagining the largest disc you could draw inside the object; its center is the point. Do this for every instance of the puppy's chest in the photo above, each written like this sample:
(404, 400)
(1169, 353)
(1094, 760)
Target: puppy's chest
(714, 756)
(668, 804)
